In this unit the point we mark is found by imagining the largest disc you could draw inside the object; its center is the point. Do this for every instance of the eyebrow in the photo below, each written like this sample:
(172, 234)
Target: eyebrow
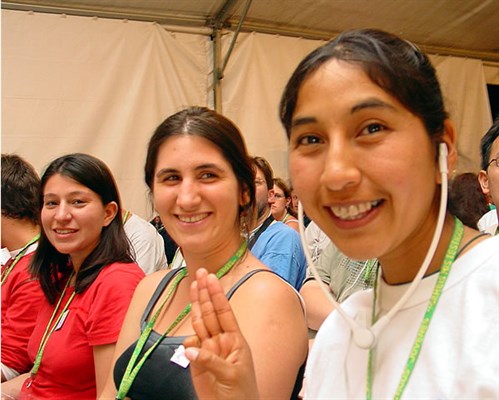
(75, 193)
(371, 103)
(302, 121)
(365, 104)
(165, 171)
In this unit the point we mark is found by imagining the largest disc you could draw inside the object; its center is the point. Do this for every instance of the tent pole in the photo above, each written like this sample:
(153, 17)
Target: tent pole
(217, 78)
(218, 67)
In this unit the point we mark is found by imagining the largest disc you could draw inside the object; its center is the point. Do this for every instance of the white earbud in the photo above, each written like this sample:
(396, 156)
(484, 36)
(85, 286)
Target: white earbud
(442, 158)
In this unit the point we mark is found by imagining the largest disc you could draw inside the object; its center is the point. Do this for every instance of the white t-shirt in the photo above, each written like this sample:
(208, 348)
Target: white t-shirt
(147, 244)
(460, 354)
(488, 222)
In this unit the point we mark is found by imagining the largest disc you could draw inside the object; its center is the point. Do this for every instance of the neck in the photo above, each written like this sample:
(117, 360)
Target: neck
(212, 260)
(16, 233)
(403, 267)
(261, 219)
(282, 216)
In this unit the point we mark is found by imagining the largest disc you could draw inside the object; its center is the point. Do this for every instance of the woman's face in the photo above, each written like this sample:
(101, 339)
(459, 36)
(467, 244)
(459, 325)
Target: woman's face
(73, 217)
(278, 207)
(196, 193)
(361, 163)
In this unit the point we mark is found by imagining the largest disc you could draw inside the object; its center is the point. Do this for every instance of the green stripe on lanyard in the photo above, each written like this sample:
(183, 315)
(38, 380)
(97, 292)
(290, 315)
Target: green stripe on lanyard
(445, 268)
(48, 330)
(134, 366)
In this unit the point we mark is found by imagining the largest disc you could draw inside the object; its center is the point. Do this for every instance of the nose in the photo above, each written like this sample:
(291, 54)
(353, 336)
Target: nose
(62, 213)
(188, 196)
(340, 167)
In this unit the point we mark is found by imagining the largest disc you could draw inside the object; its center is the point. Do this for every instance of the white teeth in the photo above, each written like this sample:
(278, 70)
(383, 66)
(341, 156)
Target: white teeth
(194, 218)
(64, 231)
(353, 211)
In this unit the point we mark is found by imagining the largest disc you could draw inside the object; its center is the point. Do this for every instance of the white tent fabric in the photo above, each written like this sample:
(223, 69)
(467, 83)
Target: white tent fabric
(80, 84)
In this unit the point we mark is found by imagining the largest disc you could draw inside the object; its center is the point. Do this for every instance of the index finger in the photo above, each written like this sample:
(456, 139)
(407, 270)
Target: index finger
(221, 306)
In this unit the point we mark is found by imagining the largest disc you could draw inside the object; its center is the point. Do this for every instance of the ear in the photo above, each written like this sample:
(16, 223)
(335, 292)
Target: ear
(449, 137)
(483, 178)
(110, 210)
(244, 197)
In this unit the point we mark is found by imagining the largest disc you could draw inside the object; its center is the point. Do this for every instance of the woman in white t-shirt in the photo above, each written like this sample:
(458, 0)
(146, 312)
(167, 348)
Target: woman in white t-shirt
(370, 147)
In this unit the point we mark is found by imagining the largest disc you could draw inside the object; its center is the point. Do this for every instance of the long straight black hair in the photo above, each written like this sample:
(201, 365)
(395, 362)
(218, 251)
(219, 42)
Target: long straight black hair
(52, 267)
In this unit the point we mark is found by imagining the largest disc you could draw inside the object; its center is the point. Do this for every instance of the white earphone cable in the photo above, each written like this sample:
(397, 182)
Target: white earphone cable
(365, 337)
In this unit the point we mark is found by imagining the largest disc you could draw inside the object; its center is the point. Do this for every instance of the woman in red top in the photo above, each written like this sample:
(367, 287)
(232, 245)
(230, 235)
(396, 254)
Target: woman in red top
(87, 273)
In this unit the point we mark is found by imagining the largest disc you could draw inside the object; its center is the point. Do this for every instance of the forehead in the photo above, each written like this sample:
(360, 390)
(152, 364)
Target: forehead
(188, 150)
(64, 183)
(259, 173)
(340, 80)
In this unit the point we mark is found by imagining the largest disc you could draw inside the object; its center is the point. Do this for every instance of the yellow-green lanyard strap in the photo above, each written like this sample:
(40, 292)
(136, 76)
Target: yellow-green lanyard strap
(48, 330)
(134, 366)
(8, 270)
(126, 216)
(445, 268)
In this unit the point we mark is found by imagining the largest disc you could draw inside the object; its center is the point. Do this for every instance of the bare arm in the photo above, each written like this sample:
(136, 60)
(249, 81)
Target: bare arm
(318, 305)
(130, 331)
(103, 361)
(12, 388)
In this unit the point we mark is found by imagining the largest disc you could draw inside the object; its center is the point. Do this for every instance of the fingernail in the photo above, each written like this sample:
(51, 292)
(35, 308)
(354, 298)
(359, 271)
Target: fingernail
(192, 353)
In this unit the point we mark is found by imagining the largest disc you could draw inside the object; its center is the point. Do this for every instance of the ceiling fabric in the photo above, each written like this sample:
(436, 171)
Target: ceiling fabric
(101, 86)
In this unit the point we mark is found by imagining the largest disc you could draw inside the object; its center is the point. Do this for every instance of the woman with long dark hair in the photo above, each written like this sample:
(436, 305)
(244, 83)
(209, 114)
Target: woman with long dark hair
(86, 270)
(202, 184)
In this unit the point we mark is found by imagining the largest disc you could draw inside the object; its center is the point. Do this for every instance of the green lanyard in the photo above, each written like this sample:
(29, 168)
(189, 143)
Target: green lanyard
(126, 216)
(134, 366)
(48, 331)
(8, 270)
(445, 268)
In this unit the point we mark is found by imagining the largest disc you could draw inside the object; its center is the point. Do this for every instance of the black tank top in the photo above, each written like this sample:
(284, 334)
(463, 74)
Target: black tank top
(159, 378)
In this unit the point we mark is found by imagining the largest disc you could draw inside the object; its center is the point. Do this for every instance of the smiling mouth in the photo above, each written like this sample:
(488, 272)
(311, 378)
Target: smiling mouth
(192, 218)
(354, 211)
(64, 231)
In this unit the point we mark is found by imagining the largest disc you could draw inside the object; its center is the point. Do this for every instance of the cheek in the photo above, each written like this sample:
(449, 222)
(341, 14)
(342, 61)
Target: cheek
(45, 218)
(161, 199)
(305, 176)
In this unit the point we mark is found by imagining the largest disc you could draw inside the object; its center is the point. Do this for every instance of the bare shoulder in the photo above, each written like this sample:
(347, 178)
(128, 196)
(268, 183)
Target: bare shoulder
(266, 287)
(147, 286)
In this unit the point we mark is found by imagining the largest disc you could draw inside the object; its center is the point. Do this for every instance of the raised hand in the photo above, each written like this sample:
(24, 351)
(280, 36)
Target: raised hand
(221, 362)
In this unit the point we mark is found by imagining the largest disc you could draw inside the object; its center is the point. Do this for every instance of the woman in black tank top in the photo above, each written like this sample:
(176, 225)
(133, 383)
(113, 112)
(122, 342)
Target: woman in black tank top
(202, 184)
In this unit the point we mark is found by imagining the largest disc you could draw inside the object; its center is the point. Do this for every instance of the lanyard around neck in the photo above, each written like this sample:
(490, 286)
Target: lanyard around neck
(134, 366)
(445, 268)
(48, 329)
(8, 270)
(126, 216)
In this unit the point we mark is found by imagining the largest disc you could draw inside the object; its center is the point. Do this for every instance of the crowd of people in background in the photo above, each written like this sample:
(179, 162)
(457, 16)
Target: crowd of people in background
(218, 295)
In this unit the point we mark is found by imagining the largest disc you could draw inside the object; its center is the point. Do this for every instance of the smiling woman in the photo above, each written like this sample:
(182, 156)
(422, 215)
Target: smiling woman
(370, 146)
(202, 184)
(86, 271)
